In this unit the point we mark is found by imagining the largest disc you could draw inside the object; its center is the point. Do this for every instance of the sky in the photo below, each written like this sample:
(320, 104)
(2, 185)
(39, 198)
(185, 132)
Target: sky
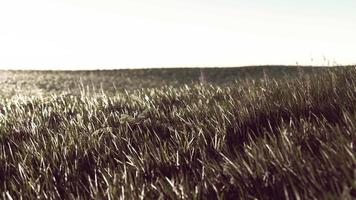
(103, 34)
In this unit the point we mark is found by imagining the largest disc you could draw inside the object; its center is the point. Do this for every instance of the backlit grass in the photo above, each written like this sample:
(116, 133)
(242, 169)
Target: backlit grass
(285, 137)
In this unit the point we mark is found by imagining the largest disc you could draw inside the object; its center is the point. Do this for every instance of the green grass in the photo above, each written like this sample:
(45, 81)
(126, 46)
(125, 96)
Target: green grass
(265, 133)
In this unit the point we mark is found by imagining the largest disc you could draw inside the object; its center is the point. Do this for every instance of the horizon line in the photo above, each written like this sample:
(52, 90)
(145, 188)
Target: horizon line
(183, 67)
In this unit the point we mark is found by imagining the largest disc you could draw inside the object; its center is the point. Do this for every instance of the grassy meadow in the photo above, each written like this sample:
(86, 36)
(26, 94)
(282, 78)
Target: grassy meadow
(268, 132)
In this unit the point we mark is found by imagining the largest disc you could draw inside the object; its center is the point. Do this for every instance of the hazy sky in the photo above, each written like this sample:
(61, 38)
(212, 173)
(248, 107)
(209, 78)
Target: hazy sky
(82, 34)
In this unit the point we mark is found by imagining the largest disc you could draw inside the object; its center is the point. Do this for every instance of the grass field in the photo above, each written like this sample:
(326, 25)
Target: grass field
(268, 132)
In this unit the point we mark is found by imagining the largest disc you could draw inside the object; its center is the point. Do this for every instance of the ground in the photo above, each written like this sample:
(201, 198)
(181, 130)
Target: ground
(267, 132)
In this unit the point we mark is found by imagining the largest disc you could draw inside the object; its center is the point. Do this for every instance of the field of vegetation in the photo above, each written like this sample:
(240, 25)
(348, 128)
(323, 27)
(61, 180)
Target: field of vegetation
(268, 132)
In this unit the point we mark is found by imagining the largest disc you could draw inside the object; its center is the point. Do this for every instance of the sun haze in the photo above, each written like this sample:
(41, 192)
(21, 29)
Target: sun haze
(98, 34)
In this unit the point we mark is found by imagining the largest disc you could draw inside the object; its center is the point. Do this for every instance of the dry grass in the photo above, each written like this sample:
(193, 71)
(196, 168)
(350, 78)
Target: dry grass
(275, 138)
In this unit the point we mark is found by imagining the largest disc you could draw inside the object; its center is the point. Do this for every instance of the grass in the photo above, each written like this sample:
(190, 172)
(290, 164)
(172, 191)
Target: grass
(279, 133)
